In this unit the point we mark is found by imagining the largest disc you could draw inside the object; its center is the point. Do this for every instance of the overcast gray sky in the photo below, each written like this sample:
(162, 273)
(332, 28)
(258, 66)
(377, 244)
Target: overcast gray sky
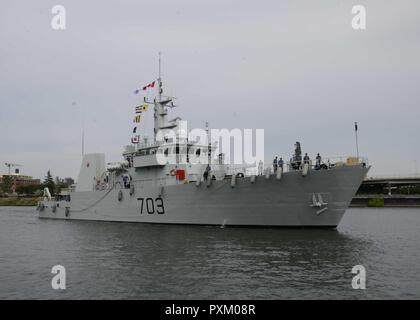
(295, 68)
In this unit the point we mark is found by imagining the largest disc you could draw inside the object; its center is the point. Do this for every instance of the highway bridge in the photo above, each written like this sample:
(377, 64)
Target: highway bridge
(378, 184)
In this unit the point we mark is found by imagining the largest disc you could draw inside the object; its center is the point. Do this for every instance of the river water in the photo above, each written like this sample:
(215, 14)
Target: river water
(106, 260)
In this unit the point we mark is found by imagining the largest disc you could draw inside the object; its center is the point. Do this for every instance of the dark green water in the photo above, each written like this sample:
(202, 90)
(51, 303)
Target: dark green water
(122, 260)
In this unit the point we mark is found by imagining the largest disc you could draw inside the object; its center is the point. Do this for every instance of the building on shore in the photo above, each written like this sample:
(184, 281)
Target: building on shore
(18, 179)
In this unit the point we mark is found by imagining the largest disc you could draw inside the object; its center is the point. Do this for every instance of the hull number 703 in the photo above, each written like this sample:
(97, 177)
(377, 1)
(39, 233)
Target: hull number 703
(151, 205)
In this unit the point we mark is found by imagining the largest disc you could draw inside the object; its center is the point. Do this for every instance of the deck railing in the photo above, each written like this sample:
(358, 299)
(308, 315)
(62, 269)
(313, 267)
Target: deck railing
(329, 162)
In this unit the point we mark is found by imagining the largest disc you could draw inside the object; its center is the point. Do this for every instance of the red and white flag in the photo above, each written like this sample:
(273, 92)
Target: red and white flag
(135, 139)
(150, 85)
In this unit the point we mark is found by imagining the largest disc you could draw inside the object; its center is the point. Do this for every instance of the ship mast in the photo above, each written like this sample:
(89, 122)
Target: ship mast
(160, 78)
(160, 112)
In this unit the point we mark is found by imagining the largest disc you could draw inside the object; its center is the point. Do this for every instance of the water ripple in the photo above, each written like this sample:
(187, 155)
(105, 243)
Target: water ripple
(131, 261)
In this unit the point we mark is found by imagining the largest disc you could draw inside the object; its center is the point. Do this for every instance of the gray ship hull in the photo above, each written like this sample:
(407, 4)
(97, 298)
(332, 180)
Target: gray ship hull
(319, 199)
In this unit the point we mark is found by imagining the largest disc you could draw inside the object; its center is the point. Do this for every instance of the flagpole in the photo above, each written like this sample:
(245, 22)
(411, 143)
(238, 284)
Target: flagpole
(83, 135)
(83, 140)
(357, 142)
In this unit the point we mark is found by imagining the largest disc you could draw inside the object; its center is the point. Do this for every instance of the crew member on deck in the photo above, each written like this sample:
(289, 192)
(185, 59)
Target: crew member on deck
(125, 181)
(318, 161)
(281, 163)
(306, 159)
(275, 164)
(206, 172)
(260, 168)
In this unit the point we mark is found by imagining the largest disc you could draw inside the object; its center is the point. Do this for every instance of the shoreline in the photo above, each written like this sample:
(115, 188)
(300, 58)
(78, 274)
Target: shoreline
(385, 201)
(358, 206)
(18, 202)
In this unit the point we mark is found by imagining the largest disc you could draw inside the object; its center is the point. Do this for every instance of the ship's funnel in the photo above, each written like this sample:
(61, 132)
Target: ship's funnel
(91, 171)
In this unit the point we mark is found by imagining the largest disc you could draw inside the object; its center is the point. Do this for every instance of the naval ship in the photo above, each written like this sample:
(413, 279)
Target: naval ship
(143, 188)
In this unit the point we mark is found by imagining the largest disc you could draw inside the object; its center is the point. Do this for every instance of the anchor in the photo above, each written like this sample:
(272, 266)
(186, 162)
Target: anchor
(318, 203)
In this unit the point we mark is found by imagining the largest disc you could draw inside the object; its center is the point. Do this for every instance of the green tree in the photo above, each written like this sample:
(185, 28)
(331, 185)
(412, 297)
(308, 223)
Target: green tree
(49, 182)
(6, 184)
(376, 202)
(59, 185)
(30, 189)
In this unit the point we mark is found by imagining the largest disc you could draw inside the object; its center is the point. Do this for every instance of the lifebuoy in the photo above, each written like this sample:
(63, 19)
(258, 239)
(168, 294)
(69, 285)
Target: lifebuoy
(173, 172)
